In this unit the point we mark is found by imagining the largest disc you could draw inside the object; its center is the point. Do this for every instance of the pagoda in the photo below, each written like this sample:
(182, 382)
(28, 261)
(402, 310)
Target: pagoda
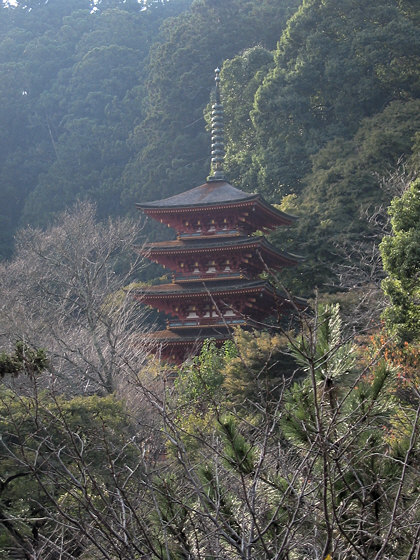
(216, 261)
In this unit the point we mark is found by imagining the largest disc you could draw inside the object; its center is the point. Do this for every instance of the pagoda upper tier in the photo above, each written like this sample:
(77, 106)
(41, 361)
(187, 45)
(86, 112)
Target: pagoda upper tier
(208, 259)
(215, 304)
(216, 208)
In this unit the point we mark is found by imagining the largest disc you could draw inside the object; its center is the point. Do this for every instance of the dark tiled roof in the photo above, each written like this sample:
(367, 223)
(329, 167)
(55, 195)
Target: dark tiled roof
(173, 289)
(178, 245)
(213, 192)
(162, 291)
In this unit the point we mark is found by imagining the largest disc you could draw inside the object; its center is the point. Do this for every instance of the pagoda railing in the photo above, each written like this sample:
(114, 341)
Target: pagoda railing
(204, 322)
(218, 274)
(206, 233)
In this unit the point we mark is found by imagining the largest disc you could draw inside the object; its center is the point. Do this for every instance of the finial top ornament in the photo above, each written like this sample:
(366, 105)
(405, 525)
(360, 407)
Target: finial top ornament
(217, 135)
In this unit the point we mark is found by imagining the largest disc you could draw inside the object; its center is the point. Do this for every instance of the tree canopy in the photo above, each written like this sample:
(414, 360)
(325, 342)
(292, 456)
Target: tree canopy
(104, 101)
(295, 442)
(401, 258)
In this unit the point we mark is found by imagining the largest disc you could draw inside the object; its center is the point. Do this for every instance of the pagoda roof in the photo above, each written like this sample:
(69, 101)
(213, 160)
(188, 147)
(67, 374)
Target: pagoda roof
(212, 193)
(180, 290)
(197, 246)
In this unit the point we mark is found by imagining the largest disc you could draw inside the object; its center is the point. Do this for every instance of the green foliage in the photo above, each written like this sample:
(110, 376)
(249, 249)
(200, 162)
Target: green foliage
(24, 360)
(331, 365)
(201, 379)
(327, 361)
(333, 464)
(47, 442)
(331, 467)
(401, 258)
(323, 412)
(326, 355)
(241, 76)
(343, 190)
(333, 113)
(171, 518)
(107, 104)
(172, 148)
(261, 366)
(199, 392)
(96, 98)
(325, 81)
(72, 88)
(238, 452)
(298, 421)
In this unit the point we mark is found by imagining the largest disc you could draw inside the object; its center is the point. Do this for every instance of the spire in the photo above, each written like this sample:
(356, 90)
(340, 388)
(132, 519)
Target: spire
(217, 139)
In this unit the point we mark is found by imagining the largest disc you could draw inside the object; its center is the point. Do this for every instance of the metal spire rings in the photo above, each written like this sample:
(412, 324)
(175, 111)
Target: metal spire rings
(217, 135)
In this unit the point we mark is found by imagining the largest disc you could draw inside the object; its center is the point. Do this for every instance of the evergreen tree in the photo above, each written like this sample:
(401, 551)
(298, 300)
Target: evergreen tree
(335, 64)
(342, 192)
(401, 257)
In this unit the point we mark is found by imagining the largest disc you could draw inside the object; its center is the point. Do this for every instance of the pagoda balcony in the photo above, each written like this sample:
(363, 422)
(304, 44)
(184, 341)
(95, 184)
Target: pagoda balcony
(204, 322)
(209, 233)
(203, 276)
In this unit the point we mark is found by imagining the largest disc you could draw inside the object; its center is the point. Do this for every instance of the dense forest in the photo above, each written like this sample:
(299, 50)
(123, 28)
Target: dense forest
(298, 441)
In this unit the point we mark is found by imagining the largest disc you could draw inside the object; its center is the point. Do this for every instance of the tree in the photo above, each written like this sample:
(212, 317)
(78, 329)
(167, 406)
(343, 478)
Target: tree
(362, 515)
(90, 106)
(326, 80)
(401, 258)
(72, 482)
(261, 368)
(24, 359)
(72, 83)
(172, 148)
(342, 193)
(241, 77)
(327, 469)
(69, 290)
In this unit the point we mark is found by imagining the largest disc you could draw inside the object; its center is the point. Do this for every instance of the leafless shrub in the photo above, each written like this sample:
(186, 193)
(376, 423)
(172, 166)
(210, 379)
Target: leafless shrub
(68, 290)
(361, 272)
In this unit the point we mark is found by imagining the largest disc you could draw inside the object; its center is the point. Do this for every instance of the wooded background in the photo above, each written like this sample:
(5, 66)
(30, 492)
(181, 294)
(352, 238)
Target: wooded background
(105, 103)
(298, 441)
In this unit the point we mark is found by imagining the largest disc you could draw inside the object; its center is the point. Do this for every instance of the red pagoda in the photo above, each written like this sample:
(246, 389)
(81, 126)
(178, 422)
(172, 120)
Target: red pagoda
(216, 260)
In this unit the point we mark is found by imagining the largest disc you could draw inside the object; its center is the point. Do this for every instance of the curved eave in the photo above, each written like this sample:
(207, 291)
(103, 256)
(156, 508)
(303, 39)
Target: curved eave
(175, 248)
(155, 210)
(171, 337)
(180, 291)
(289, 259)
(277, 216)
(176, 292)
(266, 217)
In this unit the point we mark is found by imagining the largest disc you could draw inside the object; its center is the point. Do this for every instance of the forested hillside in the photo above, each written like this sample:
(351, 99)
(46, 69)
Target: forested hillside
(104, 101)
(73, 89)
(296, 441)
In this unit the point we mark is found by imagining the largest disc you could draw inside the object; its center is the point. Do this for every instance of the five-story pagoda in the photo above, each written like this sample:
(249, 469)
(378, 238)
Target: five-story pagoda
(216, 260)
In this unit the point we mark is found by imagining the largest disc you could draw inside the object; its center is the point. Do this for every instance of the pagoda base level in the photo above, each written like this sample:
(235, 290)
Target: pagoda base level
(176, 348)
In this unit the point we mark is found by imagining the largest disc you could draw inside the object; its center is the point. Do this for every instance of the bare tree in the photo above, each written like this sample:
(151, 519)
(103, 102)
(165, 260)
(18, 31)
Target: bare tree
(360, 272)
(67, 290)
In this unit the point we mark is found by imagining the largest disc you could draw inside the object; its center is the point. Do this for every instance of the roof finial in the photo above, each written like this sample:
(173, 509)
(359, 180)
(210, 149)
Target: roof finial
(217, 139)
